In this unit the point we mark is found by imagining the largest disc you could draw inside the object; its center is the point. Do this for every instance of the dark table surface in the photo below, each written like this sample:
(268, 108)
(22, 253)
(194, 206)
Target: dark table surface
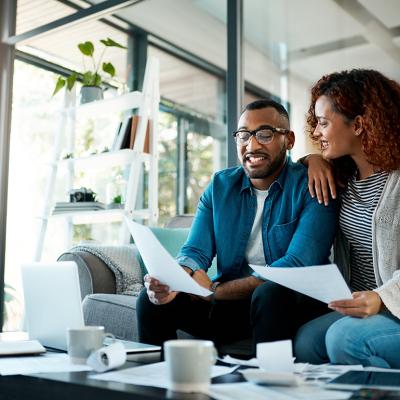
(77, 385)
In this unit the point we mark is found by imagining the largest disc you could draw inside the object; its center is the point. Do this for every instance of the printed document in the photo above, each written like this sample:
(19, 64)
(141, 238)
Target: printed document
(49, 362)
(151, 374)
(160, 264)
(322, 282)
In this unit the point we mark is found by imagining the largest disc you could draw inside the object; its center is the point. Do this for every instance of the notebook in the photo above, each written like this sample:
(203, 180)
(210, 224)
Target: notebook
(21, 347)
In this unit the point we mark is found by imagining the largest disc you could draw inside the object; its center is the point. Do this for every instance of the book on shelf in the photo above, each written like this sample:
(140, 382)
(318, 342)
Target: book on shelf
(65, 206)
(134, 125)
(122, 140)
(113, 146)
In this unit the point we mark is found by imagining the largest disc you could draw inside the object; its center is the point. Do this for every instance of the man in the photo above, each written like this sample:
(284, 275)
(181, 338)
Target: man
(259, 213)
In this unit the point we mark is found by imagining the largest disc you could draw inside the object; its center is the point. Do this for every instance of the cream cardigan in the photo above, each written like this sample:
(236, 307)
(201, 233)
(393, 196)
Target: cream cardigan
(385, 245)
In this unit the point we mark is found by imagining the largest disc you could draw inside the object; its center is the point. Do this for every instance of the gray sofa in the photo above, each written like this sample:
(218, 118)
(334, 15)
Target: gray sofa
(117, 312)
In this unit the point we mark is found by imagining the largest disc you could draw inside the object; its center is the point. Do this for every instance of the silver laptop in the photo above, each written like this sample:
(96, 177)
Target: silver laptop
(53, 304)
(52, 298)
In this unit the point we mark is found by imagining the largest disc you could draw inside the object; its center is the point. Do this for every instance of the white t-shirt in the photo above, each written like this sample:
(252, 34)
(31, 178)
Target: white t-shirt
(255, 247)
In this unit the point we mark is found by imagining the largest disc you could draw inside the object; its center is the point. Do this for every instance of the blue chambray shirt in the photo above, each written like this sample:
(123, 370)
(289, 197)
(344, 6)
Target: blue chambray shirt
(296, 230)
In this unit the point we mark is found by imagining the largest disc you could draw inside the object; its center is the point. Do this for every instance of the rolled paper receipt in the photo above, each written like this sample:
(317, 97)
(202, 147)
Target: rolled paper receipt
(108, 357)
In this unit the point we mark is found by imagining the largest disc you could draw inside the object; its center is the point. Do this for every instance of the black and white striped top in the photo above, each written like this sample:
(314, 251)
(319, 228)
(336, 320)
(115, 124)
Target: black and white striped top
(358, 205)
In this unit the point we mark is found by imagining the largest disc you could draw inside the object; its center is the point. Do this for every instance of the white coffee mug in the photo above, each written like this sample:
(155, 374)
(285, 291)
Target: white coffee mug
(83, 341)
(189, 364)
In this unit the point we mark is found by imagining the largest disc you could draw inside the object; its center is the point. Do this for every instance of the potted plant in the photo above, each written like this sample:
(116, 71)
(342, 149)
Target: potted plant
(91, 78)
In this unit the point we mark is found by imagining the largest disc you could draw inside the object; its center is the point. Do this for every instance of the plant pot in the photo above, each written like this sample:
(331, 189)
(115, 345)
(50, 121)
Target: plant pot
(90, 93)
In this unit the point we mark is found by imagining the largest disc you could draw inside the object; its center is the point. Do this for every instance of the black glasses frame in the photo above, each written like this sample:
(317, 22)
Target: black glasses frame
(254, 133)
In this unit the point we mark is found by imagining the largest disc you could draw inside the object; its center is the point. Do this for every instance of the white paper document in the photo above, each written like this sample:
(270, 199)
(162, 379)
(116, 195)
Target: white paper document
(151, 375)
(276, 356)
(253, 362)
(160, 264)
(322, 282)
(49, 362)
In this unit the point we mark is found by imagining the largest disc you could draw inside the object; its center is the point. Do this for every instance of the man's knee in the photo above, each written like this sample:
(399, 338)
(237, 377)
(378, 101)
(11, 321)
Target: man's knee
(142, 303)
(268, 292)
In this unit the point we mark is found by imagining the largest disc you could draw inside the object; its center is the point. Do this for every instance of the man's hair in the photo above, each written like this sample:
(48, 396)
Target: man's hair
(266, 103)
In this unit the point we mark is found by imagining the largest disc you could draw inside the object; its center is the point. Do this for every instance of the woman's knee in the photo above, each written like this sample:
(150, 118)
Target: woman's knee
(344, 343)
(309, 343)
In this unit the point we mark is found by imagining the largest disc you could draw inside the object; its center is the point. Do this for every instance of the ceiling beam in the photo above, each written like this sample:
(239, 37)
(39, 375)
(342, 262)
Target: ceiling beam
(335, 45)
(374, 30)
(94, 12)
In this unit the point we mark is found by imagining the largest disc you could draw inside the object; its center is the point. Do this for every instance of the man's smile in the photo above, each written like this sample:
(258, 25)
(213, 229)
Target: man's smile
(255, 159)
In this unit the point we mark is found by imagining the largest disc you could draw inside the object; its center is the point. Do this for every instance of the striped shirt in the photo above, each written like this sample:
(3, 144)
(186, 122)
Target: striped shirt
(358, 205)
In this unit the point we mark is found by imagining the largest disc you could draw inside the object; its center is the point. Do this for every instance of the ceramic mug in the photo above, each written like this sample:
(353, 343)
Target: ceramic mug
(81, 342)
(189, 364)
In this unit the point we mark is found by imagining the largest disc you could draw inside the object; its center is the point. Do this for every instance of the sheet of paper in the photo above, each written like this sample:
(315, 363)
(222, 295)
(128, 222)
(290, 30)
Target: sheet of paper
(160, 264)
(322, 282)
(150, 375)
(247, 390)
(49, 362)
(276, 356)
(253, 362)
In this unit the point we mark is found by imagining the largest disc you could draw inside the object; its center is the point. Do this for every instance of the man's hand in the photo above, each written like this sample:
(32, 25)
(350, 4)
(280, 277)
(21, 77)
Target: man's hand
(157, 292)
(321, 179)
(362, 305)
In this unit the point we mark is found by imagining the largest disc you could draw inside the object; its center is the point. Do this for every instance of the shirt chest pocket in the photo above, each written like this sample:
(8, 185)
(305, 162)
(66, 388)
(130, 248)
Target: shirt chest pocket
(281, 236)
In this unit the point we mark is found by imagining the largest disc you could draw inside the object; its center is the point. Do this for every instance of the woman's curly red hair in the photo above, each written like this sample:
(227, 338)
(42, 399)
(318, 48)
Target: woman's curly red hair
(373, 96)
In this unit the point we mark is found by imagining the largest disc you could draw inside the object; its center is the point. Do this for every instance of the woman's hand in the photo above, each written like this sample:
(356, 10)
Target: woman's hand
(362, 305)
(321, 178)
(157, 292)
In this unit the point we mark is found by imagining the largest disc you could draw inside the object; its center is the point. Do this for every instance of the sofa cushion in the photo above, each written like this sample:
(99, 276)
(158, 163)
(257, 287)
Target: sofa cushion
(94, 275)
(116, 312)
(171, 238)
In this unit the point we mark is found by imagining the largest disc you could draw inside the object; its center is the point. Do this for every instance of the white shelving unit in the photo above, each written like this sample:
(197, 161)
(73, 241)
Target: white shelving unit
(147, 104)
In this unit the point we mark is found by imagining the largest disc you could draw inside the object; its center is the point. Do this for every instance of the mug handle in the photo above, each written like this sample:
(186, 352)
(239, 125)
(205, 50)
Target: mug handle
(214, 356)
(109, 336)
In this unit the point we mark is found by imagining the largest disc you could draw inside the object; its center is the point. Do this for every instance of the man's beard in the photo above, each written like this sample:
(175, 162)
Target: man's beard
(269, 169)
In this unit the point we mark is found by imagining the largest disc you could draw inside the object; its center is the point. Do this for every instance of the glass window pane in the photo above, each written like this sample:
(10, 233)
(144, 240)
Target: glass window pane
(190, 87)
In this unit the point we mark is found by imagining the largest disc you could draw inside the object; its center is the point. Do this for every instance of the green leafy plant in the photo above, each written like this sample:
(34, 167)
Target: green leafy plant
(90, 77)
(117, 199)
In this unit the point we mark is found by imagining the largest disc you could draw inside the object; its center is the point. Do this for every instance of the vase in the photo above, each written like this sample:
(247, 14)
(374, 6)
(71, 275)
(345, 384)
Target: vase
(90, 93)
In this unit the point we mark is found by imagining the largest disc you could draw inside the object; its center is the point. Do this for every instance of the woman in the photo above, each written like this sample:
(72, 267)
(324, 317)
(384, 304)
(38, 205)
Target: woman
(354, 116)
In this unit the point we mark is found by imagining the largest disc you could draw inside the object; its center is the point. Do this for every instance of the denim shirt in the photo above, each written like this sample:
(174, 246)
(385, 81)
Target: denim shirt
(296, 230)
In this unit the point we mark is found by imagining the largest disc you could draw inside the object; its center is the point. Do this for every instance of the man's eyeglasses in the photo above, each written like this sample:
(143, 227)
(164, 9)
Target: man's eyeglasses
(263, 135)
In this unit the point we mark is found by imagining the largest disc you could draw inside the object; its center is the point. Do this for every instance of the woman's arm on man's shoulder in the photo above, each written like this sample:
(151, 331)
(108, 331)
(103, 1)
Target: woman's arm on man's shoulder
(321, 177)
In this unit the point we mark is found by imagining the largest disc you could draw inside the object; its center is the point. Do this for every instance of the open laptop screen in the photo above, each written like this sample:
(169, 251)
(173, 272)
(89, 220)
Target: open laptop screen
(52, 301)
